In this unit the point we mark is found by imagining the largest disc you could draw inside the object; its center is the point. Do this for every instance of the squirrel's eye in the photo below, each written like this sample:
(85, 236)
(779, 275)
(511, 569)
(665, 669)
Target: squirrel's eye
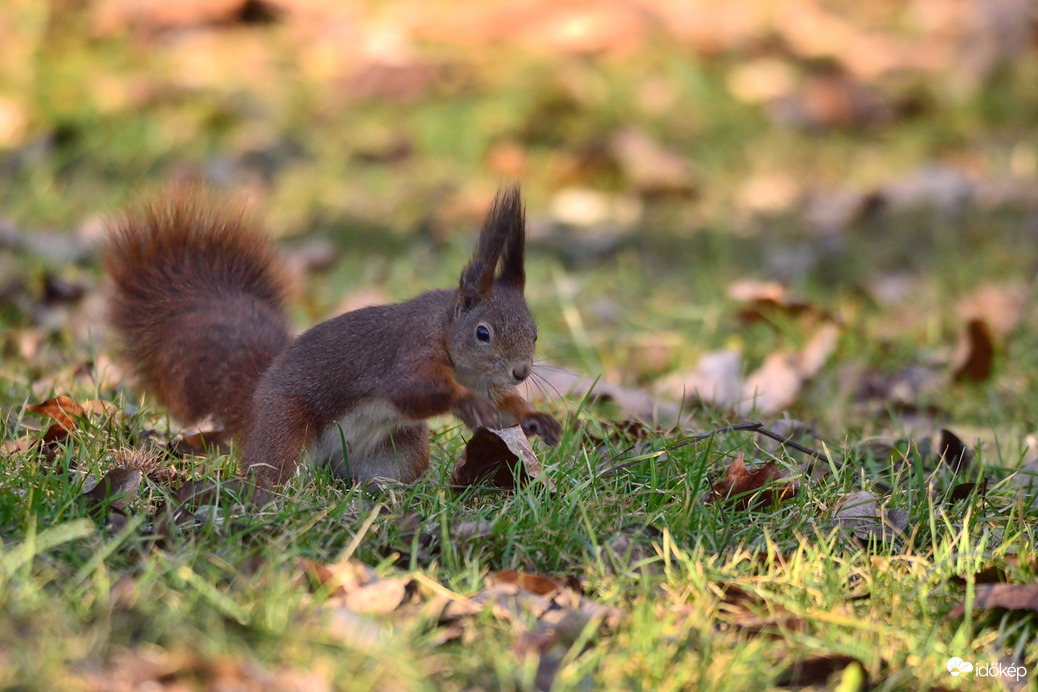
(483, 333)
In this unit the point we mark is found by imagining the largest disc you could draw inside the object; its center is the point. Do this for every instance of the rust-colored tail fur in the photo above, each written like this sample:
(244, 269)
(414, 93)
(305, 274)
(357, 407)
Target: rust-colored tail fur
(197, 299)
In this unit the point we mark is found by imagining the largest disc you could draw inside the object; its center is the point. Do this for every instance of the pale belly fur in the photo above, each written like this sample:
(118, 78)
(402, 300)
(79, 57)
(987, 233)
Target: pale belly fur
(365, 431)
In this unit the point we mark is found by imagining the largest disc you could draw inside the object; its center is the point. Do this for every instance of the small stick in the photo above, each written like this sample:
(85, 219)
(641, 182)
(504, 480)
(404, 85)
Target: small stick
(738, 427)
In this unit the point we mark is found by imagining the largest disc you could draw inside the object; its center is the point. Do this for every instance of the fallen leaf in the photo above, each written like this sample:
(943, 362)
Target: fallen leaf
(860, 514)
(118, 488)
(493, 456)
(59, 290)
(60, 409)
(539, 584)
(507, 159)
(358, 587)
(199, 443)
(829, 100)
(817, 350)
(471, 530)
(939, 187)
(740, 485)
(379, 597)
(954, 452)
(773, 387)
(650, 168)
(563, 382)
(1000, 306)
(963, 491)
(974, 354)
(1007, 596)
(403, 79)
(156, 668)
(716, 380)
(761, 81)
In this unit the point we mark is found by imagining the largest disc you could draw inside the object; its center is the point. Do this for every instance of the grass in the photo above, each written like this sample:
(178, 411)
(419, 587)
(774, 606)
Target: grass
(713, 597)
(227, 586)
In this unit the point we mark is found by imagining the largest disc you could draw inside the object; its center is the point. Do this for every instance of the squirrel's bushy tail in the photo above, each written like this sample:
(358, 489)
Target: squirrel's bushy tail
(197, 299)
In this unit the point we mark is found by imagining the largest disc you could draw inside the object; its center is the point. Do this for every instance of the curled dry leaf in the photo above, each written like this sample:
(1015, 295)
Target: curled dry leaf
(200, 443)
(493, 456)
(772, 388)
(471, 530)
(740, 485)
(156, 668)
(1007, 596)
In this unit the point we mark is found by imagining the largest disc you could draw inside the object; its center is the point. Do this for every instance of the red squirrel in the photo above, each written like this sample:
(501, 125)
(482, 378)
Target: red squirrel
(197, 299)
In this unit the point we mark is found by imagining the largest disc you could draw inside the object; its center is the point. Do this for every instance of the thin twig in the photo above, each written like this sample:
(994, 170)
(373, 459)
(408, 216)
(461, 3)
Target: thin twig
(738, 427)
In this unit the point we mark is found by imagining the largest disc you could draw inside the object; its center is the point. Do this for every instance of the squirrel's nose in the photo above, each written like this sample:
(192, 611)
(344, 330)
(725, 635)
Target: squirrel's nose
(521, 372)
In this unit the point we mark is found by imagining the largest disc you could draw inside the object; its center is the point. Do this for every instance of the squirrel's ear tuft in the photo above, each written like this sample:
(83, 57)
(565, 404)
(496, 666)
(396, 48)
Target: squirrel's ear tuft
(502, 239)
(508, 214)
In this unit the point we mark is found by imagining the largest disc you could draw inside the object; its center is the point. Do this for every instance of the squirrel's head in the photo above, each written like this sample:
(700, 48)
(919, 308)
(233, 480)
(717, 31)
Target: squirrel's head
(492, 333)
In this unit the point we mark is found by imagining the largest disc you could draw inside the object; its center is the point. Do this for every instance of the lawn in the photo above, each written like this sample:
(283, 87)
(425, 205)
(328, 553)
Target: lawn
(814, 222)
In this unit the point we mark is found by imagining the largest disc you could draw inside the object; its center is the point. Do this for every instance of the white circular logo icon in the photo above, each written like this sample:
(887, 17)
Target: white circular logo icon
(957, 667)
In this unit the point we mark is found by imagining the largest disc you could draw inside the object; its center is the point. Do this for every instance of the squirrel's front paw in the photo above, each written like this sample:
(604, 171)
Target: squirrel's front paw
(478, 412)
(543, 424)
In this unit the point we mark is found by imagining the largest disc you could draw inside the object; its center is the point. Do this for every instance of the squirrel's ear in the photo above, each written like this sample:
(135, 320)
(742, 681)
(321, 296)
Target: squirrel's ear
(477, 279)
(510, 216)
(476, 282)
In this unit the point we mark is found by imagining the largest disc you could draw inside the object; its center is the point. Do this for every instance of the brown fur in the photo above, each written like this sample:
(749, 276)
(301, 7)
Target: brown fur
(197, 300)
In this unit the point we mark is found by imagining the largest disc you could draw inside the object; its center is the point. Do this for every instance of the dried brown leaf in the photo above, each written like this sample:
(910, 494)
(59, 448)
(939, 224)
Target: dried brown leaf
(357, 586)
(1000, 306)
(60, 409)
(118, 487)
(380, 597)
(540, 584)
(974, 354)
(487, 458)
(775, 386)
(715, 380)
(740, 485)
(764, 297)
(651, 168)
(953, 451)
(1007, 596)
